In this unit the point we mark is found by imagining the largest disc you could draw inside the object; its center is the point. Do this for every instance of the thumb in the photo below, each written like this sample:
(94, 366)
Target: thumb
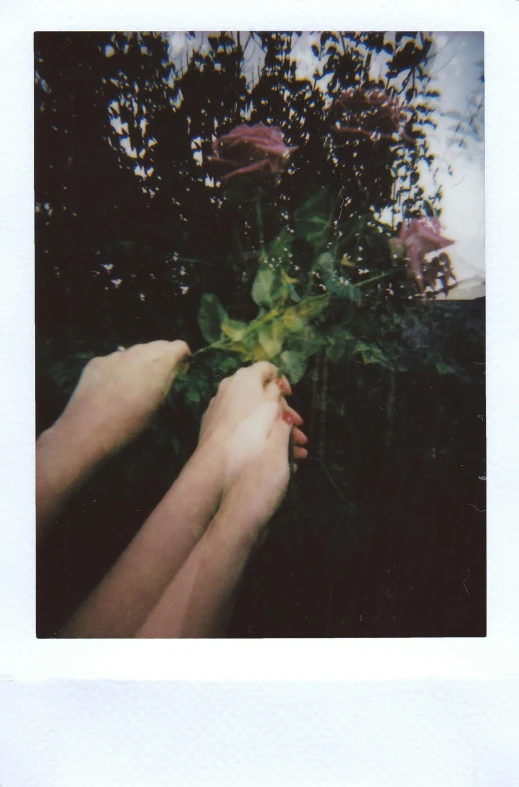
(178, 350)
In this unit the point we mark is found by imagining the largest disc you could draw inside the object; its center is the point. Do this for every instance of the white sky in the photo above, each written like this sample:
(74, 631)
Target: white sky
(456, 72)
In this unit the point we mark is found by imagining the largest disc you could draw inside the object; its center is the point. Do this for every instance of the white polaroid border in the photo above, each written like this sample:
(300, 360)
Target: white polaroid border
(22, 656)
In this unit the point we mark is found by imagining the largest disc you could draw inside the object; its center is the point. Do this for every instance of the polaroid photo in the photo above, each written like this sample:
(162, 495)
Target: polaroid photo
(260, 349)
(245, 275)
(292, 206)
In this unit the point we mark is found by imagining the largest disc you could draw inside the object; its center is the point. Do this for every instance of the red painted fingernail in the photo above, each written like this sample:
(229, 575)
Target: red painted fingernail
(287, 418)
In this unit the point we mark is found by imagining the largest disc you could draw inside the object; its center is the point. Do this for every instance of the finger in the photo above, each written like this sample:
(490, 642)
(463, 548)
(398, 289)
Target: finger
(284, 386)
(169, 354)
(299, 437)
(178, 349)
(300, 453)
(272, 392)
(296, 418)
(176, 354)
(173, 351)
(264, 371)
(150, 351)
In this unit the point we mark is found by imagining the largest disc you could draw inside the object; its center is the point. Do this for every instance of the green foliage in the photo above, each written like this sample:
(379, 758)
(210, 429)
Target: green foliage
(313, 220)
(335, 283)
(263, 286)
(210, 317)
(293, 364)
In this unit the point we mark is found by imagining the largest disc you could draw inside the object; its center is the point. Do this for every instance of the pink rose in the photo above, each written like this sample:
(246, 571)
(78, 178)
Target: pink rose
(370, 110)
(251, 149)
(417, 239)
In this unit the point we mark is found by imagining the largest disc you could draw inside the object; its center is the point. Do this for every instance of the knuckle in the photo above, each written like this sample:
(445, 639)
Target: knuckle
(95, 363)
(180, 346)
(157, 347)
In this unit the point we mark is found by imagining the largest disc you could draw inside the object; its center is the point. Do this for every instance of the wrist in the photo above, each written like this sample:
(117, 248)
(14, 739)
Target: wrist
(69, 448)
(209, 461)
(244, 527)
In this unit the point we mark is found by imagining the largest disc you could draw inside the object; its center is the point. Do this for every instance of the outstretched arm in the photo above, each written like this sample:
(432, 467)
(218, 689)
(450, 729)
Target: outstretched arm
(112, 403)
(197, 601)
(120, 604)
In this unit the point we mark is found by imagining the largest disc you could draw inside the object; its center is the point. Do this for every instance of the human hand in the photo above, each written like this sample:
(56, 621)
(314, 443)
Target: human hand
(117, 394)
(255, 490)
(238, 396)
(232, 418)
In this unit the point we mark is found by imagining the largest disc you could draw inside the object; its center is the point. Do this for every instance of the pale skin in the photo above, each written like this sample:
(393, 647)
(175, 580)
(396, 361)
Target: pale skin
(113, 402)
(119, 606)
(197, 601)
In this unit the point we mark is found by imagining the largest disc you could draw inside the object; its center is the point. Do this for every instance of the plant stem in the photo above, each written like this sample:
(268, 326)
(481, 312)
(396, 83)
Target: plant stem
(260, 229)
(194, 259)
(227, 344)
(381, 276)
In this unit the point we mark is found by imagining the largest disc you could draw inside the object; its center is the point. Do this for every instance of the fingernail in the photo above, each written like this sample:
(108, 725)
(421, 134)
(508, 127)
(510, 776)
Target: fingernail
(287, 418)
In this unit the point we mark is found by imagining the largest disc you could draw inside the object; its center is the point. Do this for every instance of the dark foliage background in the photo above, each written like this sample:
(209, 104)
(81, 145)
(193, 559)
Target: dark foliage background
(383, 531)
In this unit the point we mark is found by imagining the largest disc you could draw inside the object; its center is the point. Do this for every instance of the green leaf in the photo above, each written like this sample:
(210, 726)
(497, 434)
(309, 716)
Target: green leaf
(335, 352)
(371, 353)
(291, 322)
(307, 342)
(334, 282)
(325, 264)
(351, 292)
(313, 220)
(210, 317)
(342, 288)
(192, 396)
(293, 364)
(280, 247)
(269, 342)
(262, 287)
(340, 344)
(234, 329)
(311, 307)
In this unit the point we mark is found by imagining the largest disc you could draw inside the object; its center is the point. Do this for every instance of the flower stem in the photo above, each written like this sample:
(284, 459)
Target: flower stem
(263, 253)
(381, 276)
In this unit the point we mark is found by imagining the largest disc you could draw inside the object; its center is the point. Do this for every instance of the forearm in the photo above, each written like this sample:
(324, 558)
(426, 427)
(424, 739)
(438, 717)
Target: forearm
(65, 458)
(197, 602)
(112, 403)
(122, 601)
